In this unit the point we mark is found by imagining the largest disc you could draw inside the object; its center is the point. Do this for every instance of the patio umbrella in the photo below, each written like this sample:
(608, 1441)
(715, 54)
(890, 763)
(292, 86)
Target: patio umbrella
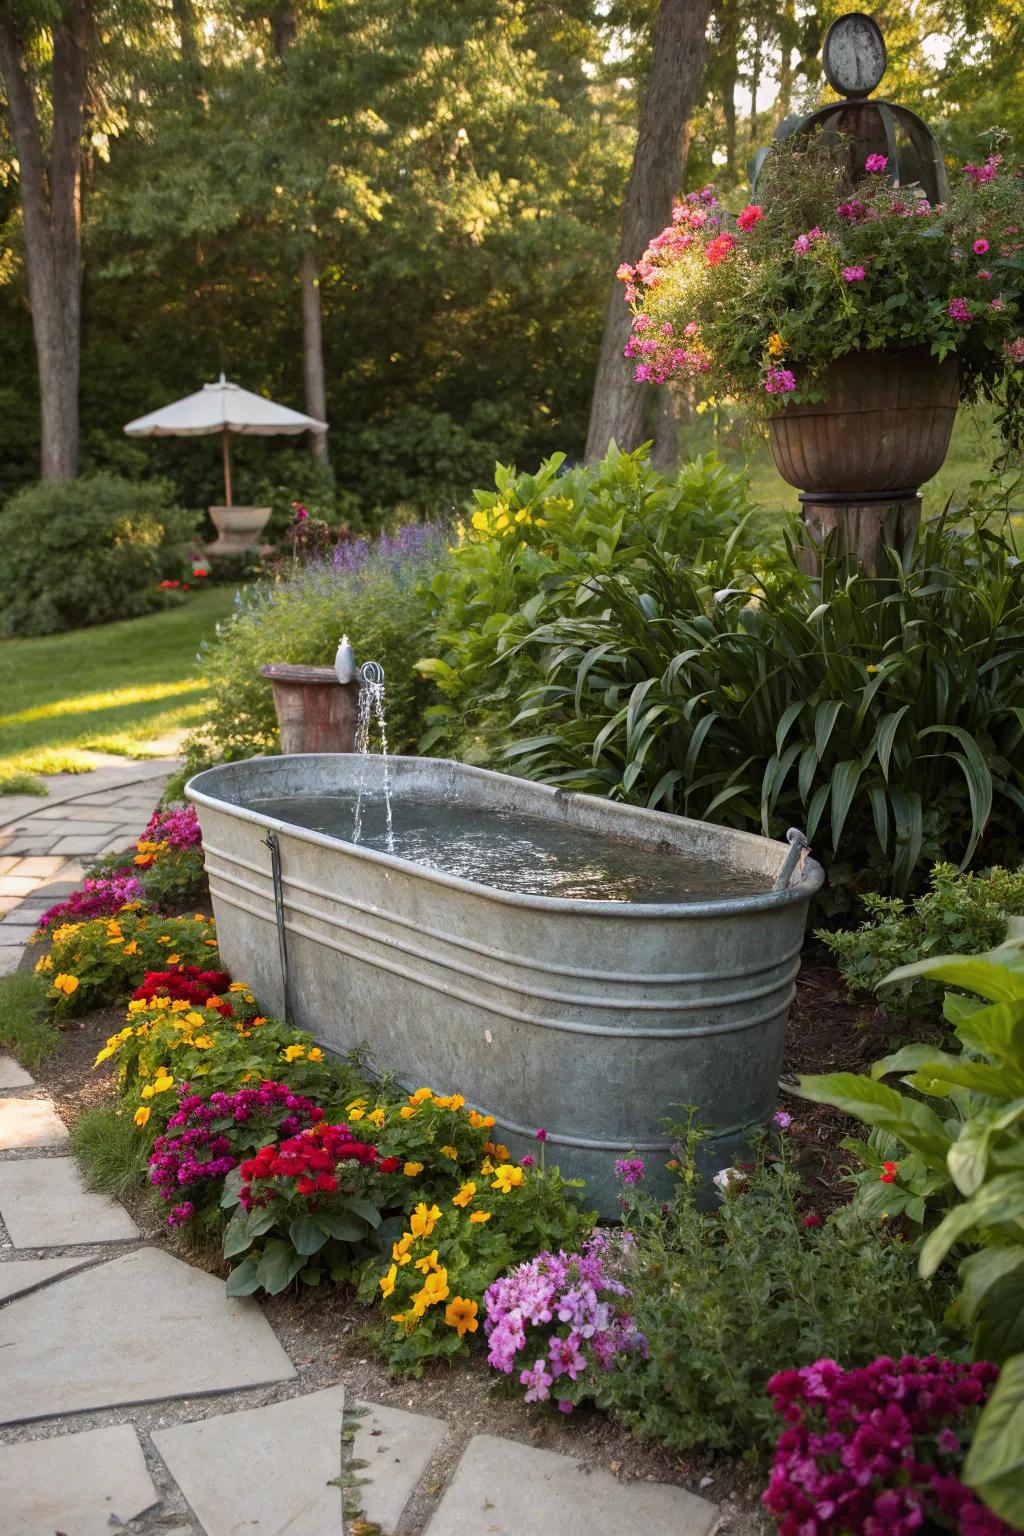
(223, 408)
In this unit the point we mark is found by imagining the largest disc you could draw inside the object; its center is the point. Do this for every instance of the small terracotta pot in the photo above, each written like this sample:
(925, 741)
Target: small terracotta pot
(315, 712)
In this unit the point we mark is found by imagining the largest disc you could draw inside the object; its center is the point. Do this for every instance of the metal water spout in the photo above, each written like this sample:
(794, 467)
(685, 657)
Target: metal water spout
(345, 661)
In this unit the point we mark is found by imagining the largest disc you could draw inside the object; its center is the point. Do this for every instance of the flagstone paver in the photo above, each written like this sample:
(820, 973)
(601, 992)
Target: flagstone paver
(30, 1123)
(87, 1484)
(18, 1275)
(45, 1204)
(264, 1471)
(396, 1447)
(508, 1489)
(138, 1328)
(12, 1075)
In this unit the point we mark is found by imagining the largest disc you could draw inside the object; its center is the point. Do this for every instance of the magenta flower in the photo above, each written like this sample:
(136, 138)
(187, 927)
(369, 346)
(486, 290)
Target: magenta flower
(751, 215)
(876, 164)
(542, 1135)
(630, 1169)
(783, 1119)
(853, 274)
(538, 1383)
(979, 247)
(780, 381)
(527, 1162)
(958, 310)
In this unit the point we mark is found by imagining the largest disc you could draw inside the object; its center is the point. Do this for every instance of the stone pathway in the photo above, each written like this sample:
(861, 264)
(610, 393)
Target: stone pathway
(135, 1395)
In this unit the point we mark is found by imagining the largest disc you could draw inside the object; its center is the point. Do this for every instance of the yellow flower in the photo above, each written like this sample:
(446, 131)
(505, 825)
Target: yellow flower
(148, 1091)
(66, 984)
(479, 521)
(45, 964)
(357, 1109)
(165, 938)
(451, 1101)
(464, 1195)
(429, 1262)
(141, 1115)
(202, 1042)
(293, 1052)
(105, 1054)
(114, 929)
(173, 959)
(316, 1054)
(408, 1110)
(377, 1117)
(421, 1095)
(871, 669)
(387, 1282)
(422, 1221)
(180, 1006)
(162, 1082)
(412, 1169)
(480, 1122)
(195, 1019)
(461, 1313)
(435, 1289)
(211, 943)
(400, 1250)
(239, 986)
(132, 948)
(480, 1216)
(776, 345)
(452, 1152)
(507, 1179)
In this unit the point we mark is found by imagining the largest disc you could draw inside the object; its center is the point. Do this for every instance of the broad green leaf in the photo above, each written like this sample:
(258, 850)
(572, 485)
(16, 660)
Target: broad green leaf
(307, 1235)
(845, 778)
(980, 1271)
(364, 1208)
(237, 1237)
(1000, 1200)
(971, 972)
(243, 1279)
(347, 1228)
(910, 1058)
(278, 1266)
(1001, 1319)
(876, 1104)
(995, 1462)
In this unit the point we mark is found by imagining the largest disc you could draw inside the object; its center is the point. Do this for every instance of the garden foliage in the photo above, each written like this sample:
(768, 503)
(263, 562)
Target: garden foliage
(723, 1296)
(768, 701)
(86, 552)
(365, 589)
(957, 1142)
(958, 914)
(537, 548)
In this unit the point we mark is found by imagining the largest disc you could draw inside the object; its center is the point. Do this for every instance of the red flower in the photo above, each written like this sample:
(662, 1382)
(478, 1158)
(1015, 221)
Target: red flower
(306, 1186)
(812, 1219)
(750, 216)
(388, 1164)
(719, 248)
(888, 1174)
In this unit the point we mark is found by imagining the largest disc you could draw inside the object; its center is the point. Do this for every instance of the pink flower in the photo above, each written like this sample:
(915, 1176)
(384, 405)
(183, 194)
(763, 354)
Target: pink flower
(691, 328)
(624, 272)
(985, 275)
(997, 304)
(719, 248)
(979, 247)
(853, 274)
(542, 1135)
(958, 310)
(876, 164)
(779, 381)
(1014, 350)
(783, 1119)
(527, 1162)
(750, 216)
(537, 1381)
(802, 244)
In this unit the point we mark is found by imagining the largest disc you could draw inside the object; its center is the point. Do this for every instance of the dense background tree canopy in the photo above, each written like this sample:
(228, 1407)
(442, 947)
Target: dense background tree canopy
(446, 182)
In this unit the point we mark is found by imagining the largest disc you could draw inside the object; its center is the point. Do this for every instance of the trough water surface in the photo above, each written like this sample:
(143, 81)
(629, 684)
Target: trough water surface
(509, 851)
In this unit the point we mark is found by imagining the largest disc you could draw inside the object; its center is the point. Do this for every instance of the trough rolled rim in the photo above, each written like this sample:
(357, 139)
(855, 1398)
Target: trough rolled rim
(811, 880)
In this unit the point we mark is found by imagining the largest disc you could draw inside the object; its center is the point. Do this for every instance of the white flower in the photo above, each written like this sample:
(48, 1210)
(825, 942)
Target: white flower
(727, 1176)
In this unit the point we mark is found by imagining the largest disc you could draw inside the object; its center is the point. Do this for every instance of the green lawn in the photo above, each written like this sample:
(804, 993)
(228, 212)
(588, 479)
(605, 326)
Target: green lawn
(127, 688)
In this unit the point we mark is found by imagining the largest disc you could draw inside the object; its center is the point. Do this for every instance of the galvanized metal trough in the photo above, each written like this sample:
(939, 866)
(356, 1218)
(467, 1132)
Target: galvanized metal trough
(596, 1020)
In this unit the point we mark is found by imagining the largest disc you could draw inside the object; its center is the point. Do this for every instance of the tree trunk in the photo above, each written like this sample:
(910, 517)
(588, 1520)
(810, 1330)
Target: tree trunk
(729, 22)
(313, 352)
(786, 29)
(617, 410)
(51, 207)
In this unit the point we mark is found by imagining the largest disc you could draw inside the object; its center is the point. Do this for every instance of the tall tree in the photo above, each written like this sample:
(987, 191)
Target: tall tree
(677, 61)
(50, 186)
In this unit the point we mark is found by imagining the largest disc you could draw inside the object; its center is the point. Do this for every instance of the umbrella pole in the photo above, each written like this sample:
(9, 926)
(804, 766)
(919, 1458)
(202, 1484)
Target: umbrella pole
(227, 468)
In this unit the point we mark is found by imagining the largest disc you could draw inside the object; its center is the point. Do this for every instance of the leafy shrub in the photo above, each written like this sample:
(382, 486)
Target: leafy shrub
(838, 704)
(878, 1449)
(959, 914)
(86, 552)
(366, 590)
(963, 1157)
(536, 548)
(101, 960)
(724, 1297)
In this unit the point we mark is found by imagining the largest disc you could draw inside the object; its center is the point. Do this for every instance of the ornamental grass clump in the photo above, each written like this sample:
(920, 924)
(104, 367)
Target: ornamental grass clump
(878, 1449)
(556, 1321)
(834, 259)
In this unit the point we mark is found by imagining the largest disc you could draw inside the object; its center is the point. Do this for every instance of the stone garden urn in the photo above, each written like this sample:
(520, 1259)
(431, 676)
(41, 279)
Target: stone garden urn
(859, 457)
(238, 529)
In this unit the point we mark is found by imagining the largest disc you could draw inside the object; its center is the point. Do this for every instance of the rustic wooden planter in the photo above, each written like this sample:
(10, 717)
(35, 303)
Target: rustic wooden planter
(859, 457)
(315, 712)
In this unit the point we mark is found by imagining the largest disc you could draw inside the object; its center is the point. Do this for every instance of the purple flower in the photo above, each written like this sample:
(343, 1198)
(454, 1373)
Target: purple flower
(527, 1162)
(958, 310)
(630, 1169)
(537, 1381)
(853, 274)
(783, 1119)
(780, 381)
